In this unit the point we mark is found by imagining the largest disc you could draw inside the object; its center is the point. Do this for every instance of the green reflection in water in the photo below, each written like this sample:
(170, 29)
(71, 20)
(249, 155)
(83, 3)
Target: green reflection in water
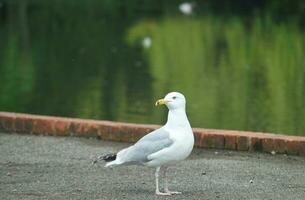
(235, 77)
(86, 59)
(75, 62)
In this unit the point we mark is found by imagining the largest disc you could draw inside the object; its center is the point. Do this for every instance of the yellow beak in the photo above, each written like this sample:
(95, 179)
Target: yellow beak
(161, 102)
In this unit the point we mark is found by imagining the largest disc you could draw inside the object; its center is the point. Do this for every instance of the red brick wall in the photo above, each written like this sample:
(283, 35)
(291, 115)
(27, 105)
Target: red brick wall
(127, 132)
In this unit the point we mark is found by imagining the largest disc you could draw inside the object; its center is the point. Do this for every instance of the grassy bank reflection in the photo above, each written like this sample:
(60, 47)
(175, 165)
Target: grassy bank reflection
(235, 76)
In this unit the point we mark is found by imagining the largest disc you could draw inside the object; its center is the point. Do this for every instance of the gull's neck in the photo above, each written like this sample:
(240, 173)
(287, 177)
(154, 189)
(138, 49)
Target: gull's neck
(177, 118)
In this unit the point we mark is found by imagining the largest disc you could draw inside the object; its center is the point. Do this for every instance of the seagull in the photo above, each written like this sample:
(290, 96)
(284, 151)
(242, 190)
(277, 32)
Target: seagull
(162, 147)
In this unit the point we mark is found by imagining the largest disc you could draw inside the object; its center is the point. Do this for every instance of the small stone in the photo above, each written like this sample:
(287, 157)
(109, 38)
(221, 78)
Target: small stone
(203, 173)
(216, 152)
(251, 181)
(9, 174)
(273, 152)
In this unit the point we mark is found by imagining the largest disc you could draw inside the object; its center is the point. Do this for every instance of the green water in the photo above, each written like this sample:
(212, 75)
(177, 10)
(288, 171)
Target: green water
(87, 60)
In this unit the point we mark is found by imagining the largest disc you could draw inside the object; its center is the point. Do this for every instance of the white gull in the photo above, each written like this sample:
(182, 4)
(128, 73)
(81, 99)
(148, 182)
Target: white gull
(167, 145)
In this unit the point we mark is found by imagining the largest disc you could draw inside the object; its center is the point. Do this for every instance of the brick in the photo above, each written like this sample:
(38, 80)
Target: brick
(301, 150)
(255, 144)
(62, 127)
(113, 134)
(230, 142)
(268, 145)
(7, 122)
(124, 133)
(212, 141)
(19, 125)
(280, 145)
(75, 127)
(91, 130)
(28, 124)
(43, 126)
(295, 147)
(23, 124)
(204, 138)
(1, 126)
(198, 136)
(206, 141)
(104, 132)
(219, 141)
(83, 128)
(242, 143)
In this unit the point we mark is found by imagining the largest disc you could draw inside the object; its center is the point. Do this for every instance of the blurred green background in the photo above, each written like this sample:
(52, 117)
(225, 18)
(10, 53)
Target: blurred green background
(241, 64)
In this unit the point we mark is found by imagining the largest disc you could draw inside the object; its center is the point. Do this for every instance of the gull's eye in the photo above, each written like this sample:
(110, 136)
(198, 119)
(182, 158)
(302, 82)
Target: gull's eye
(174, 97)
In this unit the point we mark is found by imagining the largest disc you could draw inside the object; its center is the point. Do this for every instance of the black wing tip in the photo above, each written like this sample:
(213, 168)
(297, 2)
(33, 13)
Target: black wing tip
(109, 157)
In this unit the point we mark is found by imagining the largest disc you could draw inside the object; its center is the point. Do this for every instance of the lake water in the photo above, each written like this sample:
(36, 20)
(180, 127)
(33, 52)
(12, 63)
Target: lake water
(112, 61)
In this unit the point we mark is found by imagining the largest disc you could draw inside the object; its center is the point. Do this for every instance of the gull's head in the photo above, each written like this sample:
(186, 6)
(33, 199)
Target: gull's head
(173, 100)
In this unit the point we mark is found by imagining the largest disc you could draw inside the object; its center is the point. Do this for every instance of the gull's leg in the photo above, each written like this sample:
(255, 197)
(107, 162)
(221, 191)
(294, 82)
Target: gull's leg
(166, 190)
(157, 183)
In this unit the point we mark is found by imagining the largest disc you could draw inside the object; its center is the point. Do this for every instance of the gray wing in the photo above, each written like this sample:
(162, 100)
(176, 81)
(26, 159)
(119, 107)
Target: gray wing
(149, 144)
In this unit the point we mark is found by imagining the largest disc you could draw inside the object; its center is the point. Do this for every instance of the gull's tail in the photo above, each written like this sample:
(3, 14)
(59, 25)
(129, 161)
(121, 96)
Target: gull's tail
(113, 159)
(116, 159)
(109, 157)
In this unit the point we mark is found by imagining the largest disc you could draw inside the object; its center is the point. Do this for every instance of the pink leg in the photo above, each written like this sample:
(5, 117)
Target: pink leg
(157, 184)
(166, 190)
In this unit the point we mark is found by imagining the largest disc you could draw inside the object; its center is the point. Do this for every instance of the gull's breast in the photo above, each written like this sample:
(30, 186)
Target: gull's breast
(183, 143)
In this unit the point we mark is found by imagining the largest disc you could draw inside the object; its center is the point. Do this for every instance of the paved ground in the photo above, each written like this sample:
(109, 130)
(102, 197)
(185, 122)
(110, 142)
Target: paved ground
(36, 167)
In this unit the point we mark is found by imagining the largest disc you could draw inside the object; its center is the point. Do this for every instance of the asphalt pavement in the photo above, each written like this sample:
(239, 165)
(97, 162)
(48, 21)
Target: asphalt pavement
(42, 167)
